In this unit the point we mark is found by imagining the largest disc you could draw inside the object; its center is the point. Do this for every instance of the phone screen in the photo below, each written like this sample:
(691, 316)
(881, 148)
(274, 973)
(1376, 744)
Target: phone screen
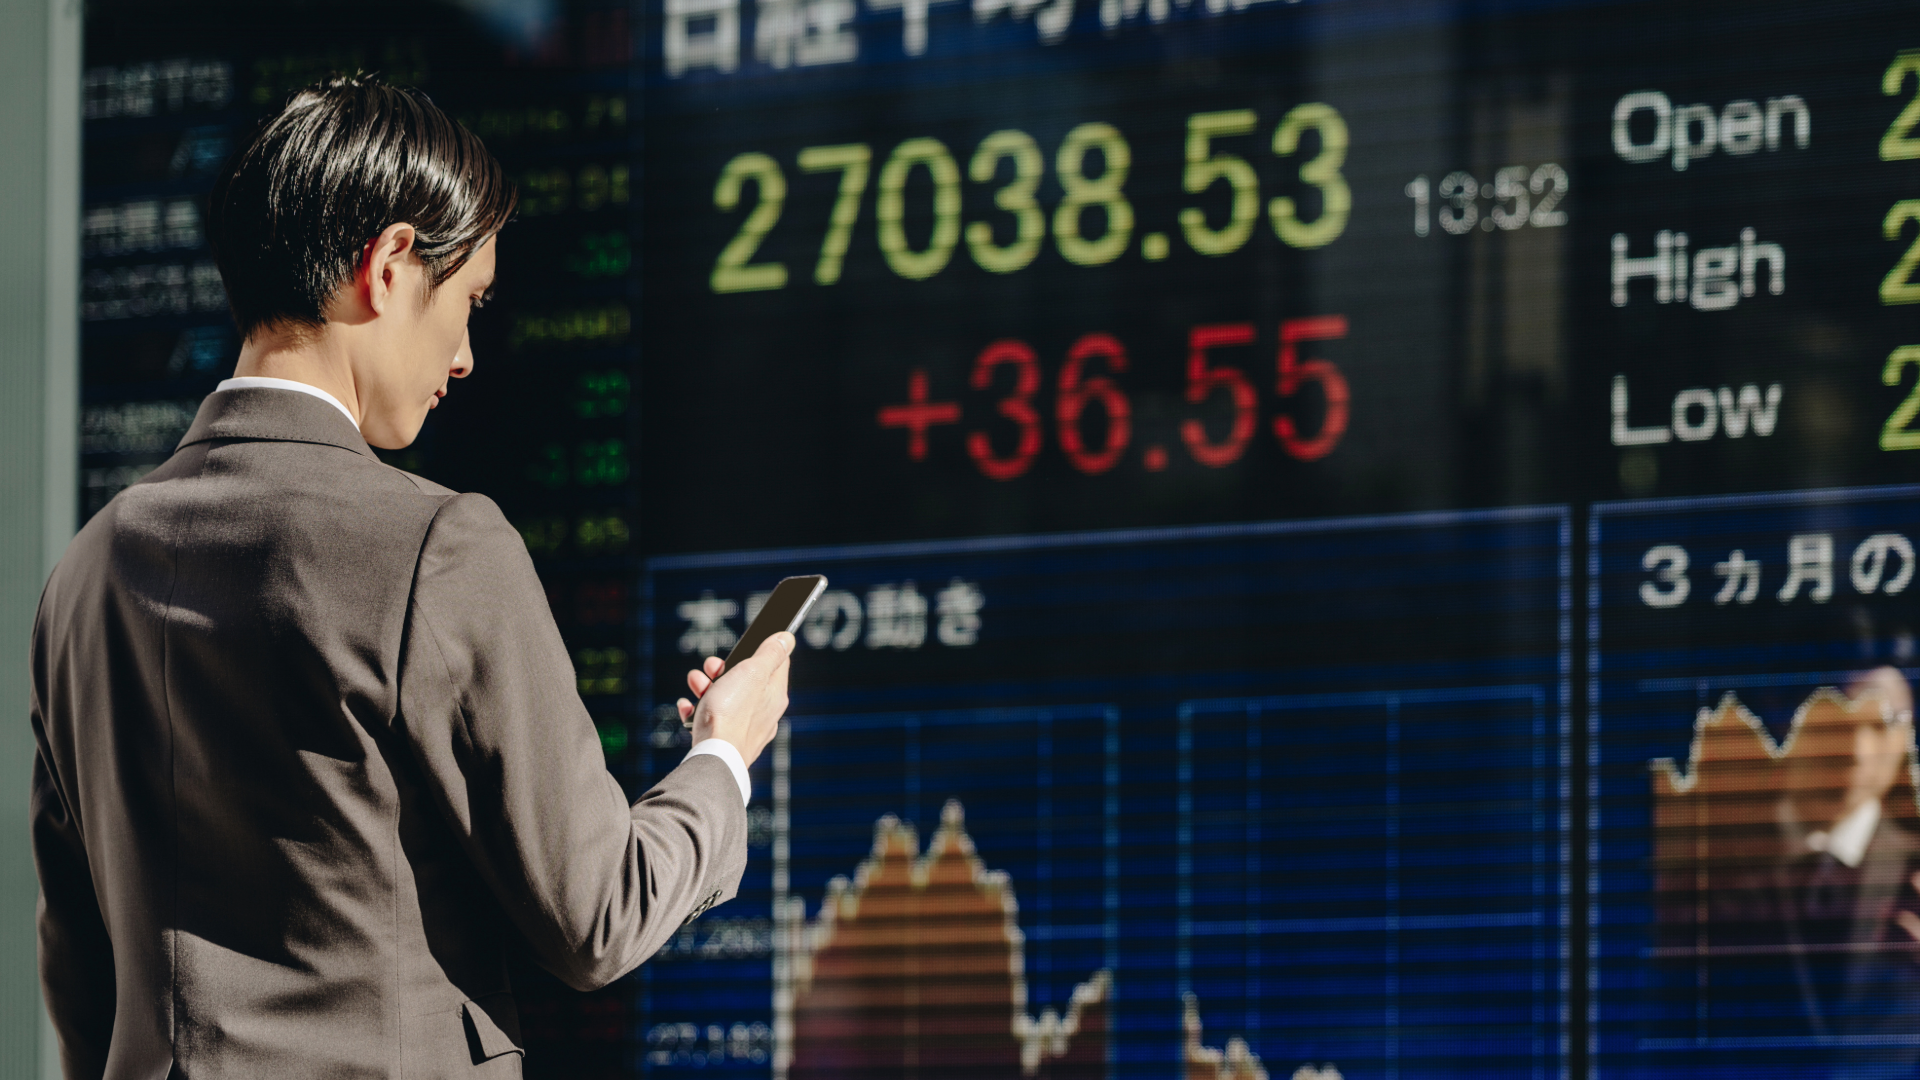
(783, 611)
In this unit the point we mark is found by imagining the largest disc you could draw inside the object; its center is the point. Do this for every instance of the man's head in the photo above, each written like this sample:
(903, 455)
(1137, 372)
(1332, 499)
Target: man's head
(358, 227)
(1882, 734)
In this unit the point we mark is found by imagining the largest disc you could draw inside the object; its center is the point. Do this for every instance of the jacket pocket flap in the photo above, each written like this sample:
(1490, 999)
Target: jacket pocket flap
(493, 1026)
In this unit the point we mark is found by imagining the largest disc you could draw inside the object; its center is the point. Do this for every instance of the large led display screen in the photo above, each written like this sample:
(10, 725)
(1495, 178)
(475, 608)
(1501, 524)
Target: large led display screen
(1366, 538)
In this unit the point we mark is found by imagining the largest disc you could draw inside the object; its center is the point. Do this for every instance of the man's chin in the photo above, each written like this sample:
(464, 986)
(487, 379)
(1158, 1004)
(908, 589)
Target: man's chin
(394, 436)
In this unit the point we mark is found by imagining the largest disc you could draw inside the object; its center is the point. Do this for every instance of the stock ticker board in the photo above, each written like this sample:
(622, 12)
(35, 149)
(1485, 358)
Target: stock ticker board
(1366, 538)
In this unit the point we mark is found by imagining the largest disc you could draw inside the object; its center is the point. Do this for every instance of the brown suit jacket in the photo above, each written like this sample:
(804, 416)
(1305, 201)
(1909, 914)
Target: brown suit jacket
(310, 757)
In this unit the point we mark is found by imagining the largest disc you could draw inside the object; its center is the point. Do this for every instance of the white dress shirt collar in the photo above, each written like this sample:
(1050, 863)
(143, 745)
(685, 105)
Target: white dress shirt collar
(261, 382)
(1848, 840)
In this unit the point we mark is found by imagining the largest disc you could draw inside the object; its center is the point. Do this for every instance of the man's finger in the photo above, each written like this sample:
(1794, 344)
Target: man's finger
(698, 683)
(770, 657)
(686, 709)
(713, 667)
(1908, 922)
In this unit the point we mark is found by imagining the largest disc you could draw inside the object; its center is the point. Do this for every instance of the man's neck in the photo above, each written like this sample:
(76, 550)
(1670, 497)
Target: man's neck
(315, 360)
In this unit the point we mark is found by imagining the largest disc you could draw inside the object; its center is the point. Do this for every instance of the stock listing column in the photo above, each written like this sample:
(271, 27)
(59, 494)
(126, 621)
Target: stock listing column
(1139, 374)
(548, 421)
(1746, 299)
(170, 91)
(1746, 329)
(155, 332)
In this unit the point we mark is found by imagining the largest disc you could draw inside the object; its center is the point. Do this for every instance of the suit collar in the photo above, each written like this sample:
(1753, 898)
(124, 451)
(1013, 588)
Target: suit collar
(271, 415)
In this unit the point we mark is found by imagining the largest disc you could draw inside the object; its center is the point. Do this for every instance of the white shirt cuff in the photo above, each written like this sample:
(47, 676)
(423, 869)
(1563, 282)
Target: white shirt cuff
(730, 754)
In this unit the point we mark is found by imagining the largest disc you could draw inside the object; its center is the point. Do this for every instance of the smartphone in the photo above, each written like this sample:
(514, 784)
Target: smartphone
(787, 605)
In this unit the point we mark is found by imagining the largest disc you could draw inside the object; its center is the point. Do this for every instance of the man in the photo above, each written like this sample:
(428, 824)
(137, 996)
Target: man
(1850, 900)
(310, 754)
(1789, 879)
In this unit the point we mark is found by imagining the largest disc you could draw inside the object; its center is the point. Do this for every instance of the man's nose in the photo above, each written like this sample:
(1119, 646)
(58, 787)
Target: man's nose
(463, 359)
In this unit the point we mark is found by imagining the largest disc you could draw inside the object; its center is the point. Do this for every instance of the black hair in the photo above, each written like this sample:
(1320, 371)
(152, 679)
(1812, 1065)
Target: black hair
(291, 214)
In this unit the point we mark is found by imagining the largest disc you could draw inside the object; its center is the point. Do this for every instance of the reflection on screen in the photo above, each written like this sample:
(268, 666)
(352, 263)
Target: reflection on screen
(1786, 872)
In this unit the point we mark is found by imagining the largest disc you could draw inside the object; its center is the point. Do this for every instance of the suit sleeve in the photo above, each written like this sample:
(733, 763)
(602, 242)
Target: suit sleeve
(75, 954)
(489, 704)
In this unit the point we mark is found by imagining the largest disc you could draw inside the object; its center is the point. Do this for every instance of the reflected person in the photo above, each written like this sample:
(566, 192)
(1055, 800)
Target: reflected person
(310, 753)
(1786, 878)
(1850, 894)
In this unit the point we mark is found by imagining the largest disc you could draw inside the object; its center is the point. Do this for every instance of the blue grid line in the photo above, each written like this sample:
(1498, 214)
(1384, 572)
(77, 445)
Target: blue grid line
(1186, 929)
(1812, 497)
(1100, 538)
(945, 717)
(1742, 682)
(1778, 1042)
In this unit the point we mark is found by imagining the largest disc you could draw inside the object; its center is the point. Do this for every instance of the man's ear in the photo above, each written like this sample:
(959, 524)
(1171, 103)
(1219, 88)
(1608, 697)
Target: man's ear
(383, 265)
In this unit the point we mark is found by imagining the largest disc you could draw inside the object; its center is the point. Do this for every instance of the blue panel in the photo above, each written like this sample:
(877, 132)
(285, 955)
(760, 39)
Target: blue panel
(1186, 785)
(1738, 642)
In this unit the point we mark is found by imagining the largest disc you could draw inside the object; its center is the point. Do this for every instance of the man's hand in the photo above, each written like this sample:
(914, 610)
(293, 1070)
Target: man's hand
(1908, 920)
(746, 705)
